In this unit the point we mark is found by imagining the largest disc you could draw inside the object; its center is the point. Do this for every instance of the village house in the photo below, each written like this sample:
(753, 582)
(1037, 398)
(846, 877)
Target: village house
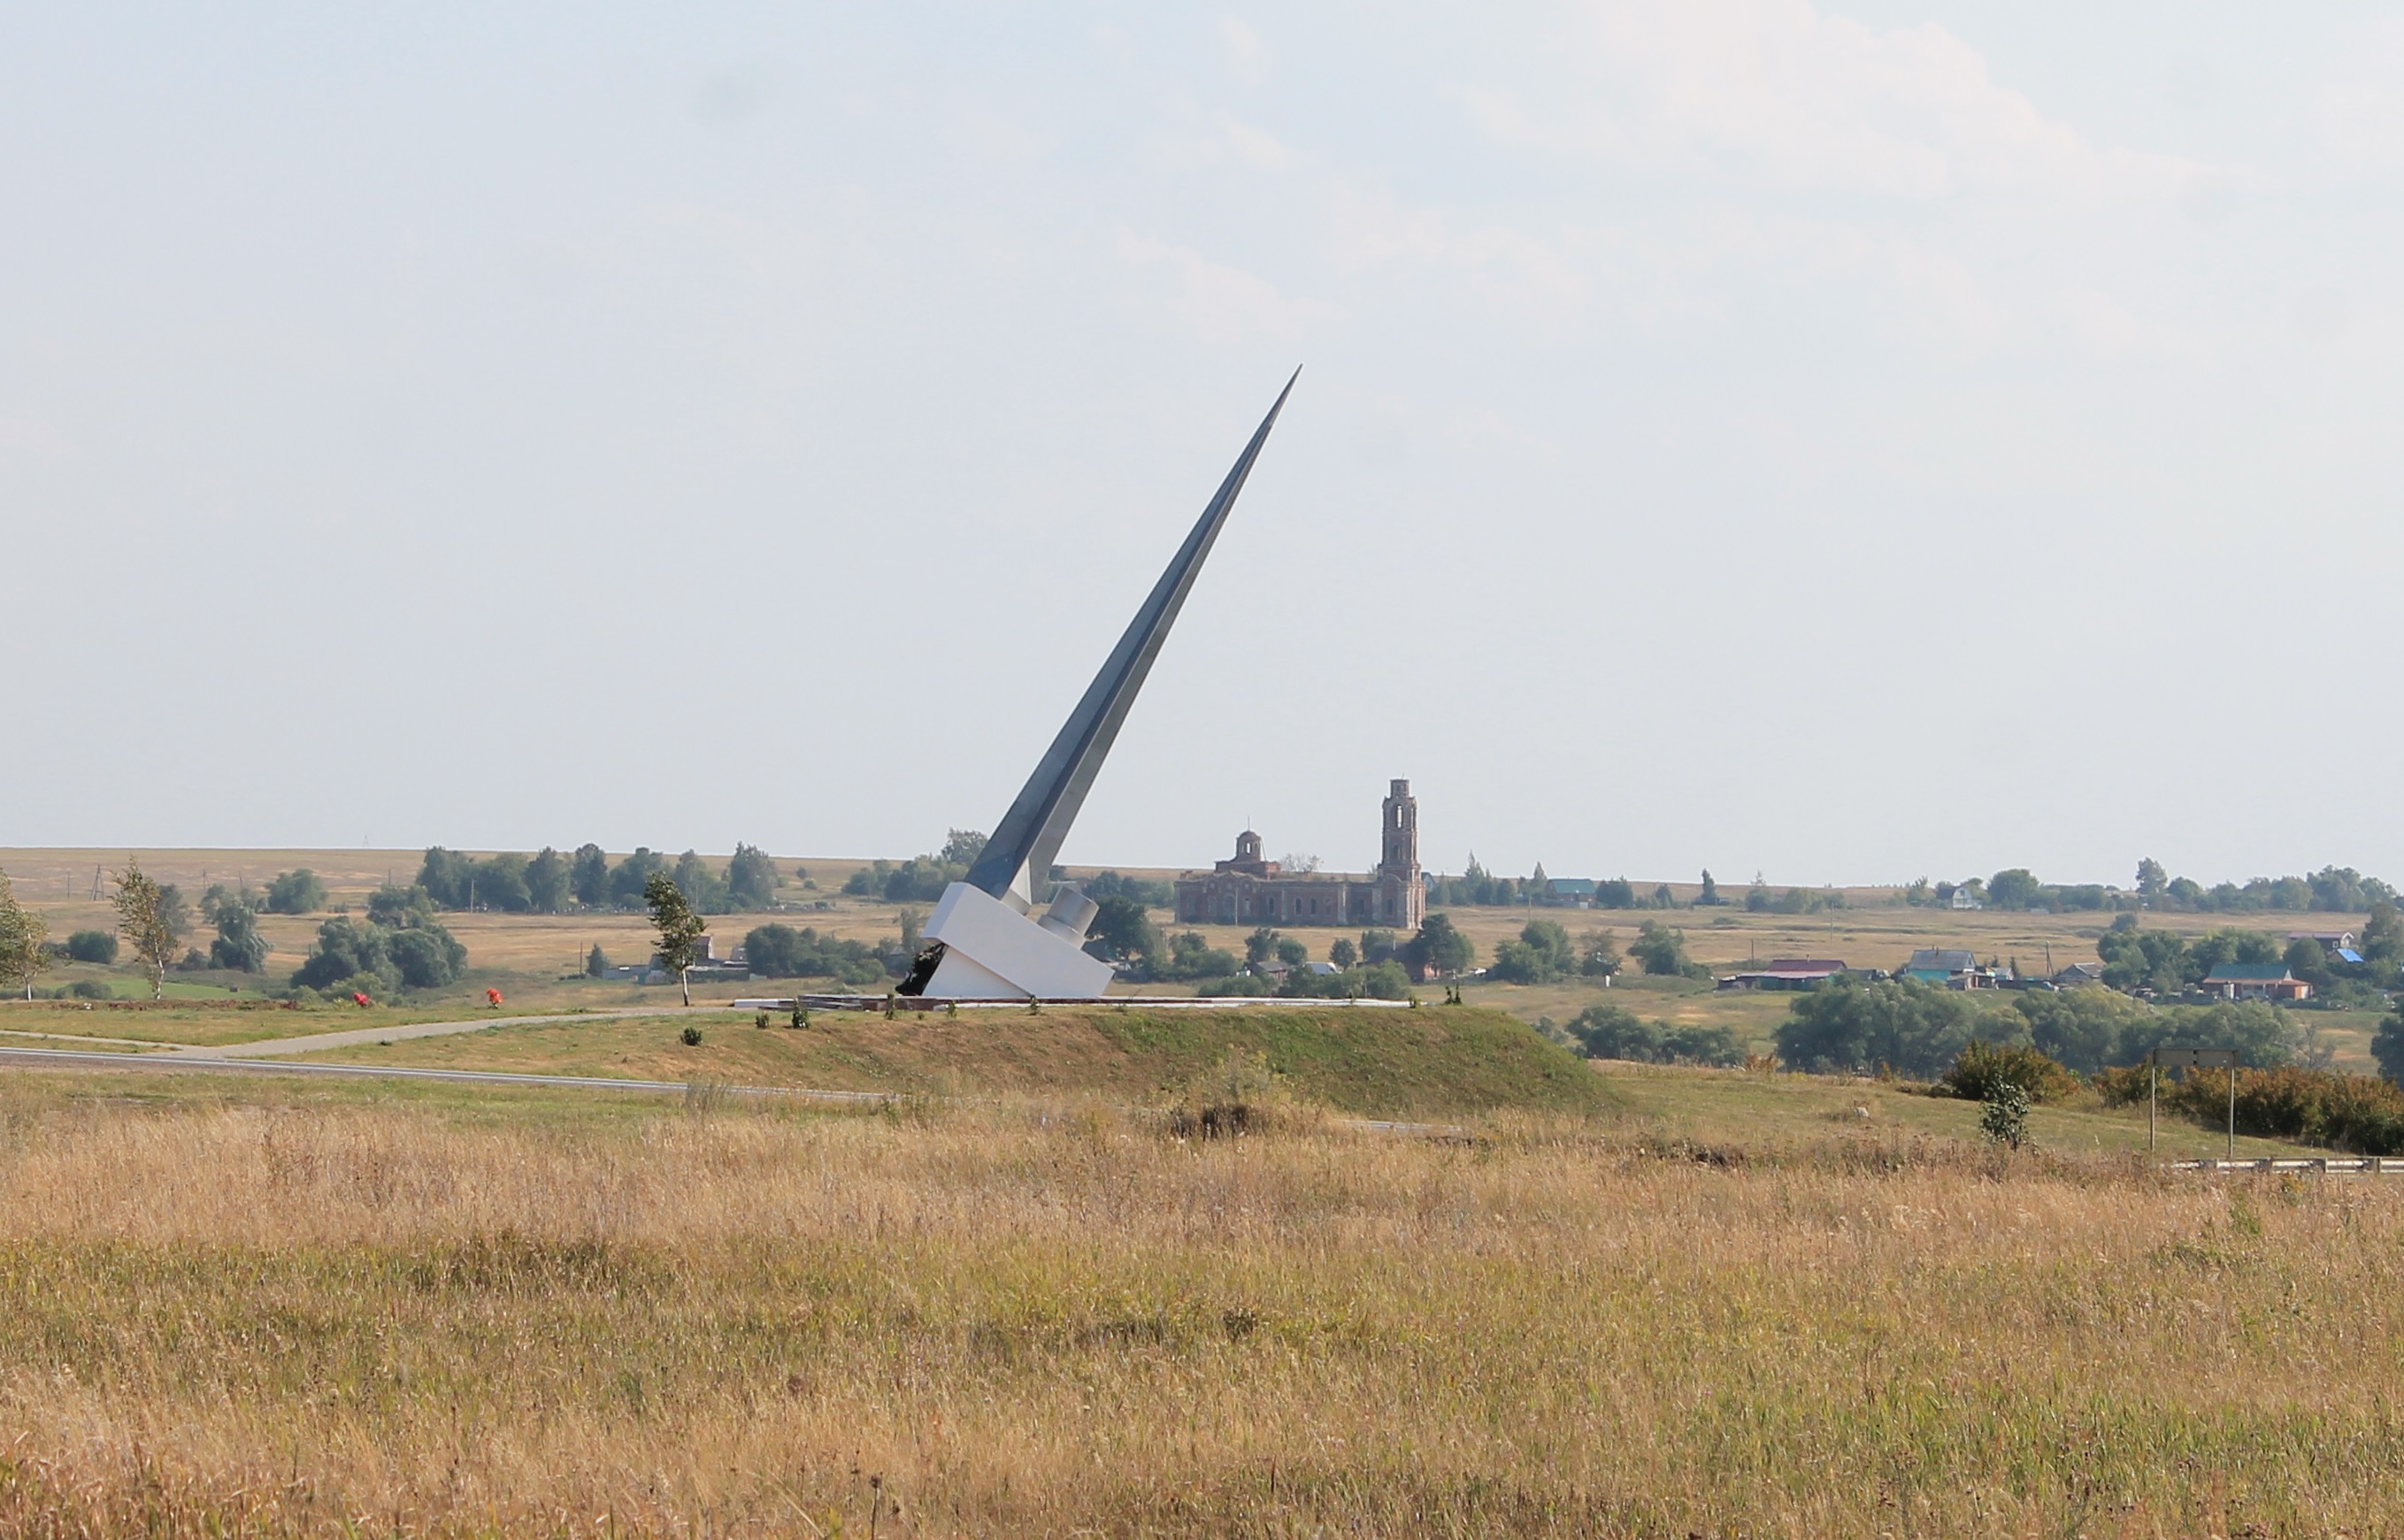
(2255, 981)
(1786, 972)
(1567, 893)
(1949, 968)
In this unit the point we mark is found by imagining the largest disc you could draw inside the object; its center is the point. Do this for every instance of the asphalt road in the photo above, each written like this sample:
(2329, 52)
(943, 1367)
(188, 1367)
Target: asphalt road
(355, 1037)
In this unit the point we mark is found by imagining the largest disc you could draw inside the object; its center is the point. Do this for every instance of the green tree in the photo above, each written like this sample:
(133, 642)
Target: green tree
(2387, 1047)
(448, 875)
(297, 892)
(2153, 883)
(2144, 959)
(704, 889)
(348, 953)
(1123, 931)
(588, 877)
(596, 963)
(400, 909)
(1292, 953)
(425, 956)
(1598, 953)
(238, 948)
(1855, 1028)
(2015, 888)
(2382, 933)
(1659, 949)
(631, 878)
(1440, 948)
(547, 882)
(1711, 894)
(679, 928)
(146, 917)
(1343, 954)
(2305, 958)
(1191, 956)
(1542, 954)
(500, 883)
(1259, 945)
(751, 879)
(962, 847)
(23, 957)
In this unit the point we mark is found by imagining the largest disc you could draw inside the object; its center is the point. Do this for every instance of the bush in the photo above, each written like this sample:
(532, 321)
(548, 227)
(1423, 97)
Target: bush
(2122, 1087)
(779, 950)
(690, 1037)
(1191, 956)
(1241, 983)
(1613, 1032)
(1980, 1068)
(89, 989)
(2360, 1113)
(2004, 1116)
(92, 946)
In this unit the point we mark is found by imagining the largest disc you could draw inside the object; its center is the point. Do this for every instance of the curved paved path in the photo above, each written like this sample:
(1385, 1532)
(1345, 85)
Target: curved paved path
(354, 1038)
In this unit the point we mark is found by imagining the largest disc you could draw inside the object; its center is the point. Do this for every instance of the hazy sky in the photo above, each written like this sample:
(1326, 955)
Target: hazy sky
(1845, 441)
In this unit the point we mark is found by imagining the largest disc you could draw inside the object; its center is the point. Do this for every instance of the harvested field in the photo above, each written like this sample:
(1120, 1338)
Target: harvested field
(1048, 1319)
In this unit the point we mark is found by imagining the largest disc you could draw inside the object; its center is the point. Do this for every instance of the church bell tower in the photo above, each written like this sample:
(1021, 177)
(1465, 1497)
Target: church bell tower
(1401, 843)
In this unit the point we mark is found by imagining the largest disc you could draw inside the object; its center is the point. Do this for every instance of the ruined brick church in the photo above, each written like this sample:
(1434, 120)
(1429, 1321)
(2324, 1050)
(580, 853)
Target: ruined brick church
(1247, 890)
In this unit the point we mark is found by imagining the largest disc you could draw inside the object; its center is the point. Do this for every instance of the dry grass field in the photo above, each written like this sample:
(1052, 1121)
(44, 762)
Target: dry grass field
(241, 1312)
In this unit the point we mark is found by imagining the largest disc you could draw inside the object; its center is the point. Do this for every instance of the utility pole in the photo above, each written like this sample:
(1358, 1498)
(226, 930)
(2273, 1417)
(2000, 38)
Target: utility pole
(2161, 1059)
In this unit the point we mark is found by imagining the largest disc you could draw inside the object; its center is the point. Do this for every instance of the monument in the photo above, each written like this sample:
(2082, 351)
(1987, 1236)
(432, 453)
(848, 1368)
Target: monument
(984, 941)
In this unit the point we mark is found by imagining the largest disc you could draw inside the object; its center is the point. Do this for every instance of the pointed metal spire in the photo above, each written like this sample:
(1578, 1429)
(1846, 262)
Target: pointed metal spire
(1029, 835)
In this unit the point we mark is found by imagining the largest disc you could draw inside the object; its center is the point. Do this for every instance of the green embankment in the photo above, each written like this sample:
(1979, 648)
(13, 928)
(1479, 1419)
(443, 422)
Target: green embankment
(1434, 1060)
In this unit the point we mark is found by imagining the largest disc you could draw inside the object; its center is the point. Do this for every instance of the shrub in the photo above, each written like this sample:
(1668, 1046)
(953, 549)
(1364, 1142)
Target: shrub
(2360, 1113)
(90, 989)
(2004, 1116)
(690, 1037)
(1982, 1067)
(777, 951)
(1614, 1032)
(92, 946)
(2122, 1087)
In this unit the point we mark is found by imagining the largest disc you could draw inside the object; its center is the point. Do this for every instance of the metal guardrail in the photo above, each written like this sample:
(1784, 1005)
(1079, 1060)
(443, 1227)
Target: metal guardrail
(2329, 1165)
(924, 1006)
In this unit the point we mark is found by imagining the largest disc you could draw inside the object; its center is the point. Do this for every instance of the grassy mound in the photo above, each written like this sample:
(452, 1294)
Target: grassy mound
(1436, 1061)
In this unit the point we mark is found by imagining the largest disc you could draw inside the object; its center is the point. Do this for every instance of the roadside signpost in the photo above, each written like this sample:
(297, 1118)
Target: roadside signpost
(2163, 1059)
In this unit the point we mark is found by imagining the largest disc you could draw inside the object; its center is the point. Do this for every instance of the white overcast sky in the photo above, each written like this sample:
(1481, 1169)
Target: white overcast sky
(1845, 441)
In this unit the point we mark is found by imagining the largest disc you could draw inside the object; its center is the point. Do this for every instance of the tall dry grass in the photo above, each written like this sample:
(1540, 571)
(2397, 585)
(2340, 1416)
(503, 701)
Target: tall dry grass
(1051, 1321)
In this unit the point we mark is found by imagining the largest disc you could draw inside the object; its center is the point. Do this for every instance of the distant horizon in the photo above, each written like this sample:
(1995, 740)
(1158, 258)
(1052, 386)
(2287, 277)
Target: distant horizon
(1682, 886)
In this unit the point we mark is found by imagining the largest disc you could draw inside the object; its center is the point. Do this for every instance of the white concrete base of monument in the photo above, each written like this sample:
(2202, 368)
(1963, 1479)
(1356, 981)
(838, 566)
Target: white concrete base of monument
(991, 951)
